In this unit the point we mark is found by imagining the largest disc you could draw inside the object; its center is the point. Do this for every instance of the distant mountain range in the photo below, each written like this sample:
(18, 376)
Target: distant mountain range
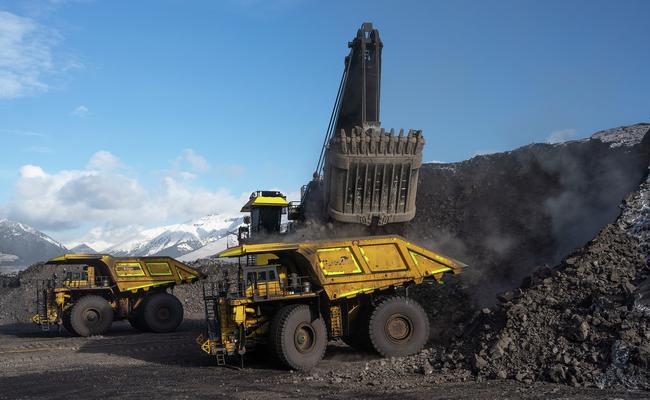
(179, 239)
(22, 245)
(83, 249)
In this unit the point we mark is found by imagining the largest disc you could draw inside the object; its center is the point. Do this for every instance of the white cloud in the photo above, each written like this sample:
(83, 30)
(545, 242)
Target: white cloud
(561, 136)
(103, 196)
(105, 236)
(104, 160)
(31, 171)
(197, 162)
(25, 55)
(80, 111)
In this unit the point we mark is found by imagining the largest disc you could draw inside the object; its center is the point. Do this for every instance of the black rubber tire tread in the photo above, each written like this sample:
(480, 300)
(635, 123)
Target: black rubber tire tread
(81, 327)
(150, 312)
(65, 321)
(275, 331)
(136, 319)
(380, 315)
(282, 336)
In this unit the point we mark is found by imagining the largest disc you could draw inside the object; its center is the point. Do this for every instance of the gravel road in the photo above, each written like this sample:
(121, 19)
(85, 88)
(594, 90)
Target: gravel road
(125, 363)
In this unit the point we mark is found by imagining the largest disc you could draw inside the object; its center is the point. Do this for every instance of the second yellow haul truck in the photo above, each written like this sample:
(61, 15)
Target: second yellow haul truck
(108, 289)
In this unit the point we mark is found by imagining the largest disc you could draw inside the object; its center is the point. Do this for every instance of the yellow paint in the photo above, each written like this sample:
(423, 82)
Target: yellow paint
(60, 297)
(239, 314)
(90, 273)
(257, 249)
(123, 269)
(383, 257)
(338, 261)
(430, 265)
(265, 201)
(159, 269)
(354, 292)
(265, 259)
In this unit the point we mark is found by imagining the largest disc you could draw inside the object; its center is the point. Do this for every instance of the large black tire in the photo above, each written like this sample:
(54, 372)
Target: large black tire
(136, 318)
(162, 313)
(298, 340)
(398, 327)
(67, 324)
(91, 315)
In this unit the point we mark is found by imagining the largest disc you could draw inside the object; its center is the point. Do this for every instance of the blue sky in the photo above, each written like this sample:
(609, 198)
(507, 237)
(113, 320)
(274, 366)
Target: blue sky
(119, 114)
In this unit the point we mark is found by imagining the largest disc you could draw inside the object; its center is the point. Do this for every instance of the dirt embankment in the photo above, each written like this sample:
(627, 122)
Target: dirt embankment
(505, 214)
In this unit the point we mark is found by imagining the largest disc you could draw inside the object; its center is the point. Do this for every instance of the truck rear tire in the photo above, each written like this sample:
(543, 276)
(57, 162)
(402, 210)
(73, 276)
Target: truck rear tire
(398, 327)
(298, 340)
(91, 315)
(162, 313)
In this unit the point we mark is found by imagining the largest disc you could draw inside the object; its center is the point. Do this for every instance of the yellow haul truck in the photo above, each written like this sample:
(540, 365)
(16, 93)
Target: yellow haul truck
(107, 288)
(298, 296)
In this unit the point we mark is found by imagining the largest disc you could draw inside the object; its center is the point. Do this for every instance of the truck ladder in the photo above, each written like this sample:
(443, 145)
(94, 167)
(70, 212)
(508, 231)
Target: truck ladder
(335, 317)
(41, 305)
(211, 302)
(221, 357)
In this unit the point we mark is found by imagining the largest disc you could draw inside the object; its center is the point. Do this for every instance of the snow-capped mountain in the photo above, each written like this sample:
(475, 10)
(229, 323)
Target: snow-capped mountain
(210, 249)
(179, 239)
(22, 245)
(83, 249)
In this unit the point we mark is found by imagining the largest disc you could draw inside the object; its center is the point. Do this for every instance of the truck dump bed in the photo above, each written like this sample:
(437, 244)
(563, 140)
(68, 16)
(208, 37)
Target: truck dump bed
(134, 273)
(347, 268)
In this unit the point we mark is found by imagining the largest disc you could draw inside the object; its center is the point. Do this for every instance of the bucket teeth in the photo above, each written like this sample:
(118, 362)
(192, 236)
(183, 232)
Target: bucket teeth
(376, 141)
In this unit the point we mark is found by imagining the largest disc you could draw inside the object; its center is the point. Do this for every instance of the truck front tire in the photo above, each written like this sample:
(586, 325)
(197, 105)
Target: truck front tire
(91, 315)
(65, 321)
(162, 313)
(298, 339)
(398, 327)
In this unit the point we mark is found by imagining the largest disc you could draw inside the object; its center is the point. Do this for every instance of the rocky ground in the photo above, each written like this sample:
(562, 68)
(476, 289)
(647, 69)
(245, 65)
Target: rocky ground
(125, 363)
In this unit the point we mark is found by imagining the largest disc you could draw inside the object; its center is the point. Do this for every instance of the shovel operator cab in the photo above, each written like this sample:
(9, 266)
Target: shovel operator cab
(107, 289)
(265, 209)
(298, 296)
